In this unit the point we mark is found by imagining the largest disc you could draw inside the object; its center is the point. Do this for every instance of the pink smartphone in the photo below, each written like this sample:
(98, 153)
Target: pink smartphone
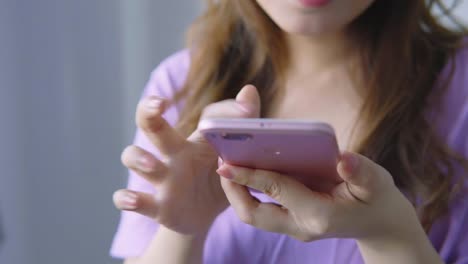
(305, 150)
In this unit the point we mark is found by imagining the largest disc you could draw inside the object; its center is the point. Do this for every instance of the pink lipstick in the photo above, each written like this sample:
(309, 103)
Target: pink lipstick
(314, 3)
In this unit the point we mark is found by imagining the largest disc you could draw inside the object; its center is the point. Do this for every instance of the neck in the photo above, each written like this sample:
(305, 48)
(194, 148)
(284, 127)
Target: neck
(313, 55)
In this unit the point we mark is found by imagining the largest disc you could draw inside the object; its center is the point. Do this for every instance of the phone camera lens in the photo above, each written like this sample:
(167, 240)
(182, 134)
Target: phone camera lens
(238, 137)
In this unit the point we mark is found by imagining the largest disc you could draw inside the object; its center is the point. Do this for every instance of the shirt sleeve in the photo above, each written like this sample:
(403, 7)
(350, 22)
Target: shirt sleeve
(450, 234)
(135, 231)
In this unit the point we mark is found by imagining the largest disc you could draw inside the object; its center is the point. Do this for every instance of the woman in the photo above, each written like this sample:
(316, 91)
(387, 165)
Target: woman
(385, 74)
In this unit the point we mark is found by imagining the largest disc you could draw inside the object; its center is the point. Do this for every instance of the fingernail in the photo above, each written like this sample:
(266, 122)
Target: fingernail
(154, 105)
(245, 108)
(225, 172)
(351, 162)
(128, 200)
(145, 163)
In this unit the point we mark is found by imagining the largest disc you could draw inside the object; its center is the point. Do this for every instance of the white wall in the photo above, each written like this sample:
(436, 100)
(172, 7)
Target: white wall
(461, 11)
(70, 76)
(12, 178)
(151, 32)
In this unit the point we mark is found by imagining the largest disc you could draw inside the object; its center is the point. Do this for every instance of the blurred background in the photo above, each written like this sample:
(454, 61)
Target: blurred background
(71, 73)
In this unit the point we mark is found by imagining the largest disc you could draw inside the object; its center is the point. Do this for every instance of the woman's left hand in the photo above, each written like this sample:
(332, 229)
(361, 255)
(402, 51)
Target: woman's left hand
(366, 205)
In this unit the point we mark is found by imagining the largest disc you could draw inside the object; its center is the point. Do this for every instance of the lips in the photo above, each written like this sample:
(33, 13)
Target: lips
(314, 3)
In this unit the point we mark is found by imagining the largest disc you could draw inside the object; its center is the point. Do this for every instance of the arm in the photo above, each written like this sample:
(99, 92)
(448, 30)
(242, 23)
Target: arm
(171, 247)
(412, 248)
(367, 206)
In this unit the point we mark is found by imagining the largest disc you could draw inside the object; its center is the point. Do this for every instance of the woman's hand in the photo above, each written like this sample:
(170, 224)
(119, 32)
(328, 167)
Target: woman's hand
(366, 205)
(189, 195)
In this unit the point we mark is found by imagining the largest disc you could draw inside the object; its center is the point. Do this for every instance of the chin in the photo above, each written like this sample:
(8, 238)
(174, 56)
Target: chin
(310, 27)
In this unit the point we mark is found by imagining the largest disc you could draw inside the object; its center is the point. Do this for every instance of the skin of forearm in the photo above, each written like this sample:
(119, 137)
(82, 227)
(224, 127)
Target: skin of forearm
(171, 247)
(411, 248)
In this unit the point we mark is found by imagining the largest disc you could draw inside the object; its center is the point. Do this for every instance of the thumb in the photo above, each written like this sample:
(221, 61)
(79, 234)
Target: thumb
(249, 99)
(246, 105)
(364, 177)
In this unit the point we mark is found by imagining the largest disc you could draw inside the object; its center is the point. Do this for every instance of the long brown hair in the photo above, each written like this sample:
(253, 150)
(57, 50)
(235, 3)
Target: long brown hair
(403, 47)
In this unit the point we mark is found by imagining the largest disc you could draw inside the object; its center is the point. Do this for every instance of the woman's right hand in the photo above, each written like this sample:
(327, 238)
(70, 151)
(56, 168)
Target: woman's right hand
(188, 191)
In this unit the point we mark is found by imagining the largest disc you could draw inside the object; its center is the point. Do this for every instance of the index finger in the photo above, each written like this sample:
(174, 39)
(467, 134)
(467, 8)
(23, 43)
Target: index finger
(156, 128)
(281, 188)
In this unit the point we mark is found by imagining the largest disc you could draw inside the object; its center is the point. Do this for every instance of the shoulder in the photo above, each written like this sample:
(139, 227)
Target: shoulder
(170, 75)
(459, 66)
(452, 115)
(448, 233)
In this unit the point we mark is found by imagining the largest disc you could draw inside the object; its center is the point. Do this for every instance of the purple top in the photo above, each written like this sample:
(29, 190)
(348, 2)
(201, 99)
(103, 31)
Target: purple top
(232, 241)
